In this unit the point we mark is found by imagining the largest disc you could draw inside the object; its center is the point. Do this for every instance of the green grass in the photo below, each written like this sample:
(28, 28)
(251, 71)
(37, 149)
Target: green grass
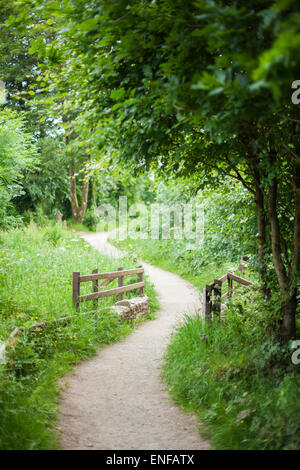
(99, 227)
(36, 268)
(77, 226)
(162, 253)
(238, 380)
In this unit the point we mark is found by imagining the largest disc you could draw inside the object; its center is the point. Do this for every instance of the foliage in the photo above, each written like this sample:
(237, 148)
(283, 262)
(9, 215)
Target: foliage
(229, 232)
(91, 219)
(17, 66)
(229, 223)
(17, 153)
(48, 187)
(173, 257)
(53, 233)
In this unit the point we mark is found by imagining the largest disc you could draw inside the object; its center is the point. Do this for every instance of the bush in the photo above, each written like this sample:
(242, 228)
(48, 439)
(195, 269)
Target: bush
(91, 219)
(40, 218)
(53, 234)
(17, 154)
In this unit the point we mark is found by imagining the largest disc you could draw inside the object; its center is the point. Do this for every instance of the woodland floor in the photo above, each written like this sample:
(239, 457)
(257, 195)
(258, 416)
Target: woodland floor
(117, 400)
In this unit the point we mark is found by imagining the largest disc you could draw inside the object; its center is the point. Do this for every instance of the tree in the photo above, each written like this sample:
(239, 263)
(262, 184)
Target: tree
(78, 211)
(17, 153)
(201, 87)
(47, 186)
(22, 73)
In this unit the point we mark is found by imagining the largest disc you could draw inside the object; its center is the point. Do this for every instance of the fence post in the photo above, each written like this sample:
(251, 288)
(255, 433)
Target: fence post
(76, 289)
(229, 280)
(140, 279)
(59, 217)
(206, 302)
(217, 296)
(95, 288)
(121, 283)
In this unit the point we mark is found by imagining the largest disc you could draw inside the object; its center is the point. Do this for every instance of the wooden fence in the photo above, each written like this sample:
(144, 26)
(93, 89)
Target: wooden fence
(107, 279)
(77, 298)
(212, 295)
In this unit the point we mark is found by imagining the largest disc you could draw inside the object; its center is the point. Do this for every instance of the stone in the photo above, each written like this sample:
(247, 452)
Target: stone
(130, 309)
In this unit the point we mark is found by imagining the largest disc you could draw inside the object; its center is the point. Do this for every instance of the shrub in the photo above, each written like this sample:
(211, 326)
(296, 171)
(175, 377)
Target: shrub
(53, 234)
(91, 219)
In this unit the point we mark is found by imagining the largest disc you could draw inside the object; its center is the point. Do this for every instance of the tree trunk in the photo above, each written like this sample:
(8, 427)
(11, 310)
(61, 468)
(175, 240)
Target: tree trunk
(261, 226)
(94, 194)
(296, 257)
(288, 324)
(289, 295)
(262, 239)
(78, 211)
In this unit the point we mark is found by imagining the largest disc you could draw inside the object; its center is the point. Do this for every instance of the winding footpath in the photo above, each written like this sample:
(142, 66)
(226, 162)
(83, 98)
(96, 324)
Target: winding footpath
(117, 400)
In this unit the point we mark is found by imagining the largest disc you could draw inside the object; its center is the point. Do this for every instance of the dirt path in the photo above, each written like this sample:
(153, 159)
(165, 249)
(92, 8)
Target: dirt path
(116, 400)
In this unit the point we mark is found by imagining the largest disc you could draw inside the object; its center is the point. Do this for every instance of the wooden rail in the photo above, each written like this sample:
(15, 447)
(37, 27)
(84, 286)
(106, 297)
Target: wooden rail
(107, 277)
(212, 294)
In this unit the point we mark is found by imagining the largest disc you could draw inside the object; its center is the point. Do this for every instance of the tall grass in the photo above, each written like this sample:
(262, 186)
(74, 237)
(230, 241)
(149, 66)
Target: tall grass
(36, 268)
(240, 381)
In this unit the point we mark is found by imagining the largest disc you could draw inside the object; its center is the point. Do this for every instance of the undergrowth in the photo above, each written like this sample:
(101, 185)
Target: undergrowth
(237, 378)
